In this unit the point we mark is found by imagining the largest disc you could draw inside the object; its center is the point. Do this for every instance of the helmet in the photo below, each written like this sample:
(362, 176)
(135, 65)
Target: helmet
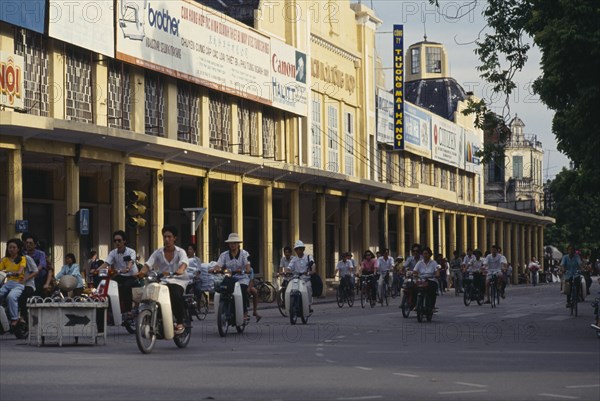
(67, 283)
(299, 244)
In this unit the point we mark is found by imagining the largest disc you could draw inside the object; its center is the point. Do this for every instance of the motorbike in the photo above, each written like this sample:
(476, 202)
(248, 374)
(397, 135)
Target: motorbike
(21, 329)
(422, 306)
(155, 318)
(109, 289)
(296, 297)
(473, 290)
(230, 312)
(408, 294)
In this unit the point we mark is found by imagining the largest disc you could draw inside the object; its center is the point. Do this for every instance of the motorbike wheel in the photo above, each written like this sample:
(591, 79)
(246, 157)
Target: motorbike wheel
(419, 308)
(294, 308)
(281, 302)
(222, 319)
(405, 305)
(339, 297)
(145, 335)
(21, 330)
(182, 340)
(467, 297)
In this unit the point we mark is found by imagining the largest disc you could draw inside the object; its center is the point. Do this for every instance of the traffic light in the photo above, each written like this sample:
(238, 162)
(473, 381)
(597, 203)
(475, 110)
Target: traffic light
(135, 209)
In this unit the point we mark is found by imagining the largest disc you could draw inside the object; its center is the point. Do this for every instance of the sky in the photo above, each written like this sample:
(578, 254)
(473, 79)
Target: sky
(458, 36)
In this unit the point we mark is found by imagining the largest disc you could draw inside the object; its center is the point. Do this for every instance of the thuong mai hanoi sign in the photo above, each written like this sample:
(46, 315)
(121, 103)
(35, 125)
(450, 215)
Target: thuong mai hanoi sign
(398, 35)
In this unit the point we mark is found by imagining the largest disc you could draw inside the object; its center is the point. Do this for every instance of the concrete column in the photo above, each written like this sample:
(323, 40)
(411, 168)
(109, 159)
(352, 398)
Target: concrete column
(500, 239)
(158, 208)
(117, 183)
(530, 246)
(515, 252)
(522, 245)
(443, 246)
(463, 229)
(204, 132)
(534, 245)
(475, 233)
(344, 225)
(100, 106)
(205, 224)
(56, 80)
(294, 216)
(430, 239)
(138, 102)
(267, 232)
(386, 224)
(237, 208)
(541, 241)
(320, 256)
(452, 243)
(507, 250)
(171, 112)
(14, 197)
(72, 203)
(417, 224)
(493, 239)
(401, 234)
(483, 241)
(366, 221)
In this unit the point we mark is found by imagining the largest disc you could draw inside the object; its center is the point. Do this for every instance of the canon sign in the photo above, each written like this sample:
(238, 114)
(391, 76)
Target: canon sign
(163, 21)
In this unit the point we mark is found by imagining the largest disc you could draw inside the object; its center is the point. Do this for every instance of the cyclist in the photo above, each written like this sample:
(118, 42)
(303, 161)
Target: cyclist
(465, 263)
(494, 263)
(412, 260)
(303, 265)
(570, 265)
(428, 269)
(122, 260)
(455, 268)
(384, 265)
(345, 268)
(237, 261)
(533, 268)
(171, 259)
(367, 270)
(475, 266)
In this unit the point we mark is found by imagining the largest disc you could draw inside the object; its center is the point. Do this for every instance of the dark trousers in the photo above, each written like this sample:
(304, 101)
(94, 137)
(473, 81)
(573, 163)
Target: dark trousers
(177, 302)
(431, 292)
(126, 283)
(246, 302)
(27, 293)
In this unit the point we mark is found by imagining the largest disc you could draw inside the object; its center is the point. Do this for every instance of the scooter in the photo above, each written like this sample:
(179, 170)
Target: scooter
(296, 296)
(230, 312)
(108, 288)
(155, 319)
(21, 329)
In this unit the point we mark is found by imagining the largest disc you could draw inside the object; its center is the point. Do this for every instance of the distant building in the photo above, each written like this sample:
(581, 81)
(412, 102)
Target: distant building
(515, 181)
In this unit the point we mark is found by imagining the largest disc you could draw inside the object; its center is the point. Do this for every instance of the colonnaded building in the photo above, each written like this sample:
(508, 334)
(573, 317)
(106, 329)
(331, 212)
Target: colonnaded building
(273, 118)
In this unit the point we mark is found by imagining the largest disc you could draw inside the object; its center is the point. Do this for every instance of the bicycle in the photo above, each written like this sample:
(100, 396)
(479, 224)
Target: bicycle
(198, 302)
(396, 287)
(344, 294)
(493, 286)
(266, 290)
(456, 281)
(385, 290)
(368, 290)
(472, 289)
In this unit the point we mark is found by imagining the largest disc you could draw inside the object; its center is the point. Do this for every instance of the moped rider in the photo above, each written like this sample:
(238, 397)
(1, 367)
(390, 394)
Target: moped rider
(384, 265)
(122, 260)
(427, 268)
(237, 261)
(171, 260)
(496, 263)
(303, 265)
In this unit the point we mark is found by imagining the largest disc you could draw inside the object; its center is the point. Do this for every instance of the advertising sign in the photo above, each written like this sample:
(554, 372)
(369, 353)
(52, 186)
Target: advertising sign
(30, 14)
(84, 23)
(417, 130)
(385, 116)
(289, 71)
(398, 35)
(473, 145)
(447, 145)
(12, 84)
(189, 41)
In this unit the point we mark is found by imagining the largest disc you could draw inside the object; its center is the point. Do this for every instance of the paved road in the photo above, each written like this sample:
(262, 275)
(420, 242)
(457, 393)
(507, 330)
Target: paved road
(529, 348)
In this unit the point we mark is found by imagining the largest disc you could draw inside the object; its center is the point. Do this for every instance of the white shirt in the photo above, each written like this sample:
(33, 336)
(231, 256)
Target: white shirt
(285, 262)
(158, 262)
(384, 265)
(344, 267)
(475, 265)
(300, 265)
(468, 259)
(494, 263)
(227, 260)
(426, 270)
(115, 259)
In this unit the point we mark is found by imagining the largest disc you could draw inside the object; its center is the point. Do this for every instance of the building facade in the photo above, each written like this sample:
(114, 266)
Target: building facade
(272, 128)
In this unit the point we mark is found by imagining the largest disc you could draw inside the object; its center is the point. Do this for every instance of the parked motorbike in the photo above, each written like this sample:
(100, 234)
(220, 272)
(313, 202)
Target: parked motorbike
(21, 329)
(296, 296)
(230, 312)
(155, 319)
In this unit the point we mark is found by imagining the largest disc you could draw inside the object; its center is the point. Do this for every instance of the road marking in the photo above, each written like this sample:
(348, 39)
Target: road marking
(515, 315)
(584, 386)
(559, 317)
(319, 354)
(567, 397)
(405, 375)
(319, 349)
(363, 368)
(471, 384)
(330, 361)
(365, 397)
(387, 352)
(462, 392)
(473, 314)
(525, 352)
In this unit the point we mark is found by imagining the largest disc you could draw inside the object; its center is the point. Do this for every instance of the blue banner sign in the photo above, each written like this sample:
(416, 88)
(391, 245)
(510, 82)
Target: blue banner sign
(30, 14)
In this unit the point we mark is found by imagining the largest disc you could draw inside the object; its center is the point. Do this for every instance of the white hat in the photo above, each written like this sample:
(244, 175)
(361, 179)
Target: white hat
(299, 244)
(234, 237)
